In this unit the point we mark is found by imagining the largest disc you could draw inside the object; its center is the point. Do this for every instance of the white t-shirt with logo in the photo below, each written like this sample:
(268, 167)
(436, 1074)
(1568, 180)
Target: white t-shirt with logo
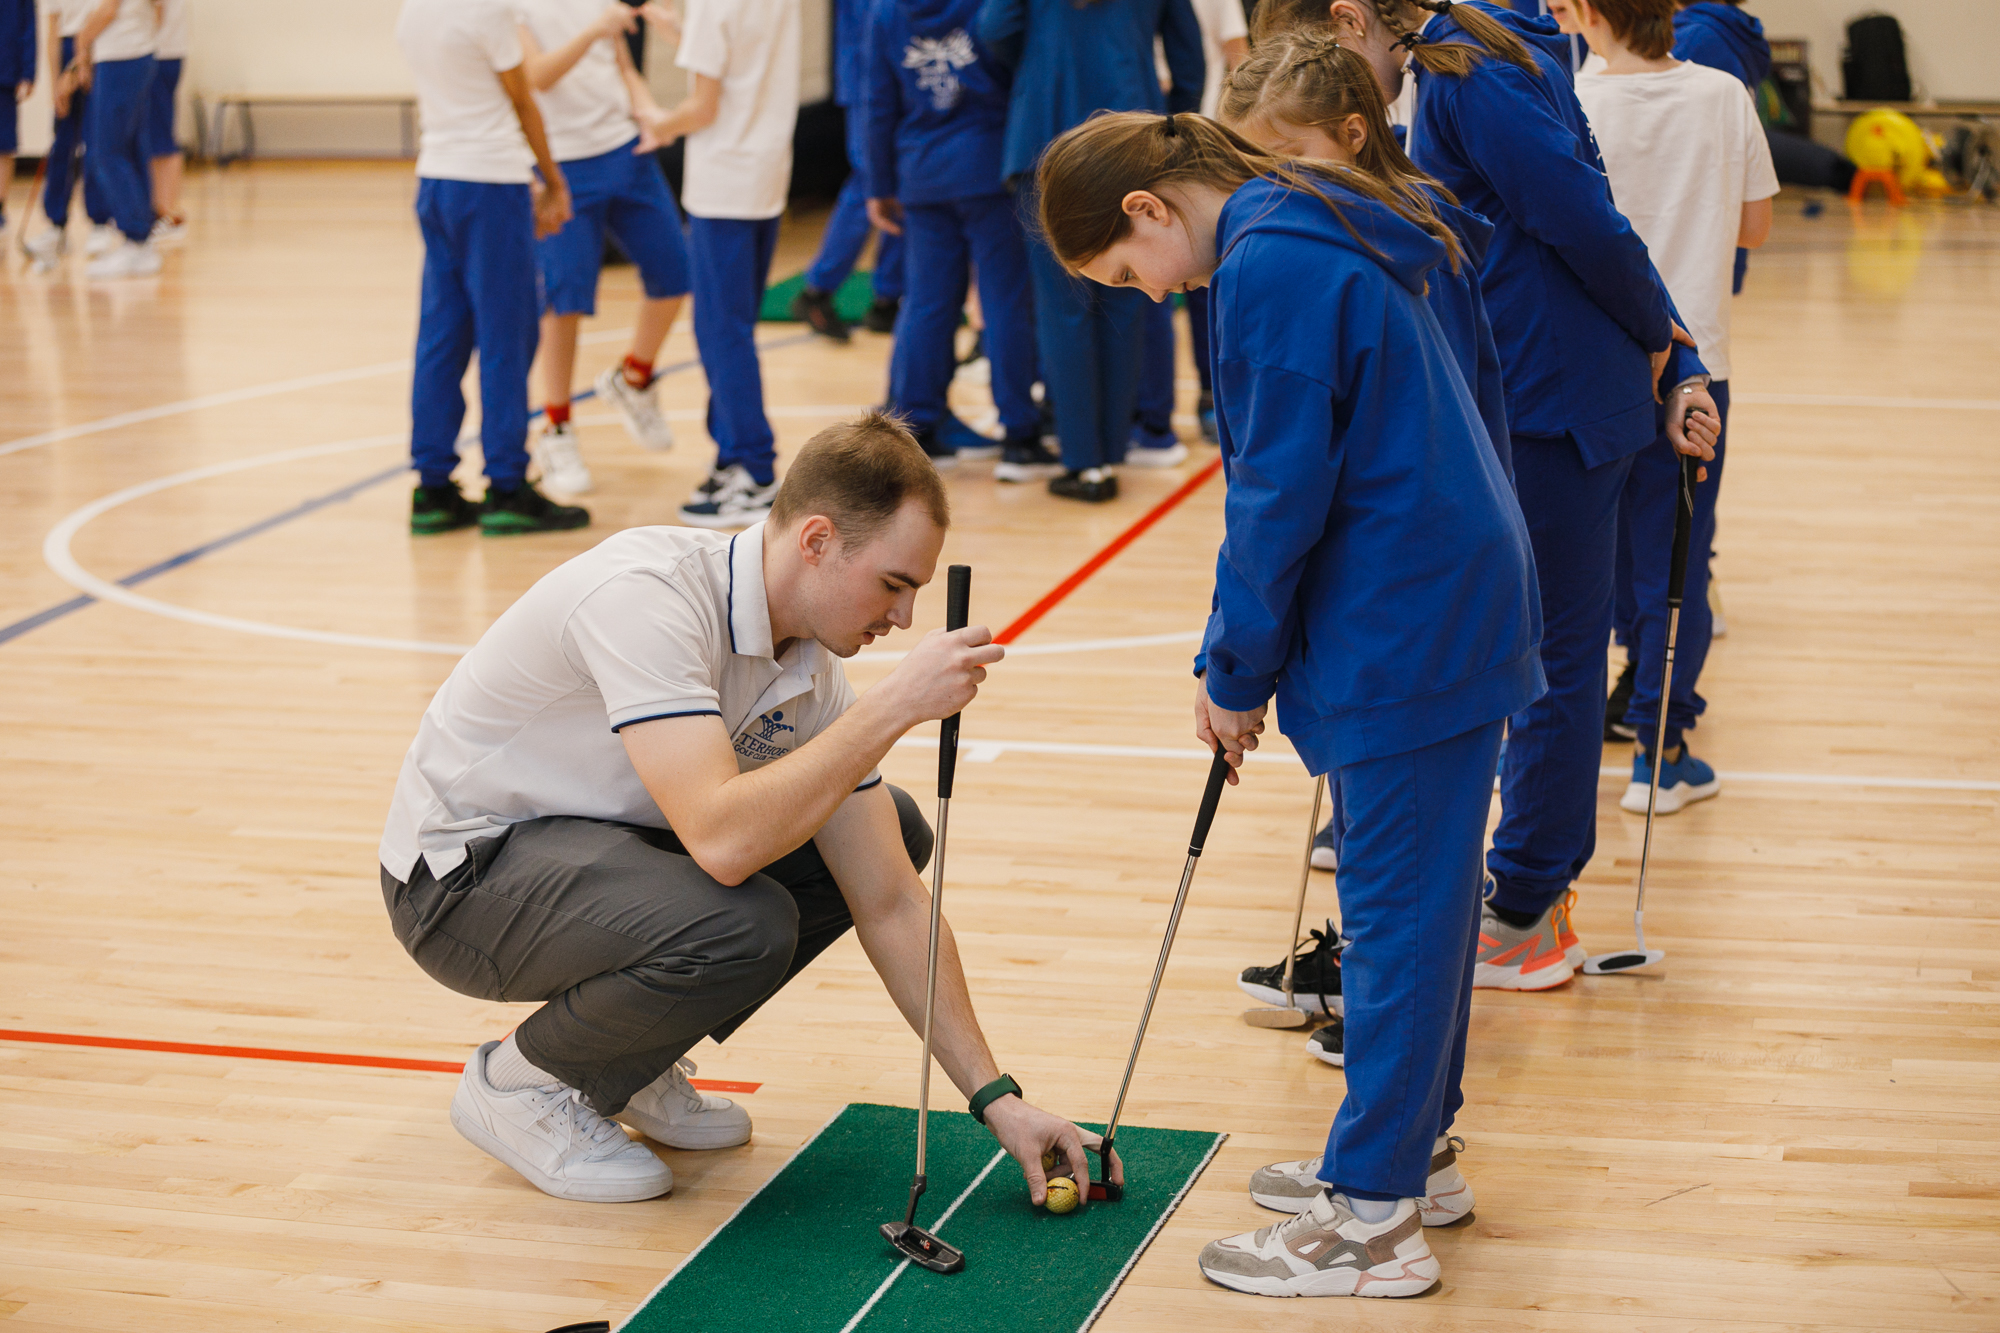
(1685, 152)
(741, 166)
(456, 50)
(173, 35)
(128, 36)
(651, 623)
(588, 111)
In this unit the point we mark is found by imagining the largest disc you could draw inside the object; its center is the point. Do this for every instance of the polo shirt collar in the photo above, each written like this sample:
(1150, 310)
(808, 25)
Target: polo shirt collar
(750, 607)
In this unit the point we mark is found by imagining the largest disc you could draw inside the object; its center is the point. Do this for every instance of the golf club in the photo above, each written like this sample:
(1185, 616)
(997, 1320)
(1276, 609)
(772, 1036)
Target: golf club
(1628, 960)
(1218, 773)
(918, 1245)
(1289, 1015)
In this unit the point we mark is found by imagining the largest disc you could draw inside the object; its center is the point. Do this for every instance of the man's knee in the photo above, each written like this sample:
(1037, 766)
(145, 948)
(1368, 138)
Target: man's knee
(753, 937)
(917, 836)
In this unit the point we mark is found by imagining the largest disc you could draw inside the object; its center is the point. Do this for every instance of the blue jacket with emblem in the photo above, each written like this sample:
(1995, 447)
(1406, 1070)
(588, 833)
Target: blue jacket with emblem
(1575, 303)
(1723, 37)
(1071, 59)
(935, 102)
(1375, 572)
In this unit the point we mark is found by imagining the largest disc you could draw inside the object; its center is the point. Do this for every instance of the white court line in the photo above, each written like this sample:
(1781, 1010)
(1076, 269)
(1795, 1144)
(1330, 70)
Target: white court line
(935, 1227)
(1845, 400)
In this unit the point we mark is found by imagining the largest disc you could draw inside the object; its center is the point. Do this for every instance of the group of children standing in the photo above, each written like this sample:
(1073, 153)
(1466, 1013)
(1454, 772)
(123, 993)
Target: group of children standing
(1453, 381)
(114, 68)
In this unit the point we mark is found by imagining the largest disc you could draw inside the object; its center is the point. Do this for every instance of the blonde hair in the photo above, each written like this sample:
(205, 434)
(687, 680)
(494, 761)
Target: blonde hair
(1489, 37)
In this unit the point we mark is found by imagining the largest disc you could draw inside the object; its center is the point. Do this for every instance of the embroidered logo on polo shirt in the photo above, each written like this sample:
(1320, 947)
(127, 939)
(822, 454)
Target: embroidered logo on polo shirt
(764, 738)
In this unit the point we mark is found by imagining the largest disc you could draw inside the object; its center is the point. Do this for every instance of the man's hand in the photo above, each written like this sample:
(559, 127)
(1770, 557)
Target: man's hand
(1694, 424)
(886, 215)
(1026, 1132)
(940, 676)
(23, 90)
(1659, 358)
(651, 122)
(60, 90)
(552, 207)
(1236, 733)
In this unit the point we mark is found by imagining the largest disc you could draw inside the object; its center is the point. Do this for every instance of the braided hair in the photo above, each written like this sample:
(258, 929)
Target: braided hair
(1488, 36)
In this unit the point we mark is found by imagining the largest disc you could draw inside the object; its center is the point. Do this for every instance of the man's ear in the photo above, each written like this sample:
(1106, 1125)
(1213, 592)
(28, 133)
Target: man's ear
(816, 539)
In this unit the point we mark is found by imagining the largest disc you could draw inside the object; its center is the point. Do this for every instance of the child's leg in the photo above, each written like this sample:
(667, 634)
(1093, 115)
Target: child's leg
(558, 361)
(116, 105)
(847, 231)
(499, 263)
(1067, 345)
(891, 276)
(1000, 256)
(65, 157)
(731, 258)
(1120, 328)
(444, 341)
(163, 153)
(1409, 899)
(921, 366)
(1155, 413)
(569, 262)
(643, 218)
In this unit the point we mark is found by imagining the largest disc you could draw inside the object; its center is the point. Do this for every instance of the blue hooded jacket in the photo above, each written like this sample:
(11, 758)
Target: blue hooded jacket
(1460, 308)
(935, 103)
(1574, 300)
(1071, 59)
(1375, 572)
(1723, 37)
(850, 31)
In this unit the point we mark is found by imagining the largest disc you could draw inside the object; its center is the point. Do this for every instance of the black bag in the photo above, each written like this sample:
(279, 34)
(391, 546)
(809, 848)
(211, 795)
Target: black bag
(1873, 68)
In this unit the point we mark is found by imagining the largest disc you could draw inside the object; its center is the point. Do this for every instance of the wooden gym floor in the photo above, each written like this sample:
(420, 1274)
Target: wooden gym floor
(1791, 1124)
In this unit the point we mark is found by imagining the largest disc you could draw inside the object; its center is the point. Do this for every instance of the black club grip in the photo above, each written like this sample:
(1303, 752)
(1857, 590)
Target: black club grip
(1683, 528)
(1218, 774)
(957, 610)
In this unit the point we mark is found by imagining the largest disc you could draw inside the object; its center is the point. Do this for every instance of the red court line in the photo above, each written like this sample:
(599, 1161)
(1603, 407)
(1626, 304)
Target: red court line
(296, 1057)
(1025, 621)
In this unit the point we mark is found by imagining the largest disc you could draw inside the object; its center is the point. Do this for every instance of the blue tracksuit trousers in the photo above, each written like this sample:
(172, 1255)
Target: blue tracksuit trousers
(117, 160)
(1645, 554)
(1157, 372)
(1409, 886)
(1548, 784)
(1090, 340)
(730, 259)
(66, 157)
(1197, 307)
(848, 229)
(481, 290)
(941, 241)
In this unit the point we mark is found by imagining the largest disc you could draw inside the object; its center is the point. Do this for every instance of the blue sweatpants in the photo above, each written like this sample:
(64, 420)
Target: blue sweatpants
(941, 242)
(481, 291)
(1645, 555)
(1091, 340)
(848, 229)
(1409, 900)
(117, 159)
(1157, 370)
(158, 136)
(731, 259)
(1197, 305)
(66, 156)
(1548, 784)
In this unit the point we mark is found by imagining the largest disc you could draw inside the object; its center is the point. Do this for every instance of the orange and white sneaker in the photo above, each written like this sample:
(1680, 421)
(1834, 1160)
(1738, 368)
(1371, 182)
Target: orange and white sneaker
(1572, 947)
(1530, 957)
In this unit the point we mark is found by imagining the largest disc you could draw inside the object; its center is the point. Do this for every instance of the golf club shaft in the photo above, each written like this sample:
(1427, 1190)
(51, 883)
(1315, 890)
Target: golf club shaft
(1676, 592)
(1305, 878)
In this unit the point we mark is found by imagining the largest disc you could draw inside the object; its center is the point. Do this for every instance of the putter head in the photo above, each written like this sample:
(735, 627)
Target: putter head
(1271, 1016)
(1627, 960)
(921, 1247)
(1104, 1191)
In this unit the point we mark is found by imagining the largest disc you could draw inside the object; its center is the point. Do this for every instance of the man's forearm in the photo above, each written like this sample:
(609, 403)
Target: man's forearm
(100, 19)
(898, 945)
(538, 141)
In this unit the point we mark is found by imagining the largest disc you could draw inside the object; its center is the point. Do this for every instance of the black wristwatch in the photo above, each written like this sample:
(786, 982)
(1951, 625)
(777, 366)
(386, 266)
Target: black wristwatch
(991, 1093)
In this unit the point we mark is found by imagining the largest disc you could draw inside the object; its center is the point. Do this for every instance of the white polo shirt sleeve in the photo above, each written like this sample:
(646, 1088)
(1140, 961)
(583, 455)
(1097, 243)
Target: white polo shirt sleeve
(648, 648)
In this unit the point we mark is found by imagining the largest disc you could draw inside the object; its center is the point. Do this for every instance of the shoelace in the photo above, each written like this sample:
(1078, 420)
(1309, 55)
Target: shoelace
(685, 1070)
(1323, 941)
(572, 1114)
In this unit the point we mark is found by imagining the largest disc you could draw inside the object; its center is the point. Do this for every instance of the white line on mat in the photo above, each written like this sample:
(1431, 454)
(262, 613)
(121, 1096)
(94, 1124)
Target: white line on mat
(936, 1227)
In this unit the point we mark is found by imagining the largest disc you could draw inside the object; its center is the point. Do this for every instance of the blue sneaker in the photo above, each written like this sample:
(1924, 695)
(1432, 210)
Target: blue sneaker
(962, 440)
(1683, 781)
(1326, 848)
(1155, 449)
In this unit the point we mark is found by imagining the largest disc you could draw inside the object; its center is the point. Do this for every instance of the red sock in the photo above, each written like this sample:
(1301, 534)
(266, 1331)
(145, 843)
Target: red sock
(558, 414)
(638, 373)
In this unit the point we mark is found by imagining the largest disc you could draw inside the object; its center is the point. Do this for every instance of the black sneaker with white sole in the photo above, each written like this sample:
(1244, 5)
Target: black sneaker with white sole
(1615, 729)
(1026, 458)
(1315, 975)
(1092, 485)
(1330, 1043)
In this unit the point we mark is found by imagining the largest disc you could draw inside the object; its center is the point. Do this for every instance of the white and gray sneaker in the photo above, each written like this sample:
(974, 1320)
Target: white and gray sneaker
(559, 456)
(736, 501)
(104, 238)
(639, 407)
(669, 1110)
(1290, 1187)
(1327, 1251)
(558, 1144)
(131, 259)
(45, 247)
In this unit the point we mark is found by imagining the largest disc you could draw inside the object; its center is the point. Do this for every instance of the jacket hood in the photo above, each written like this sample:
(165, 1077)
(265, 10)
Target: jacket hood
(1404, 250)
(1742, 31)
(930, 16)
(1474, 232)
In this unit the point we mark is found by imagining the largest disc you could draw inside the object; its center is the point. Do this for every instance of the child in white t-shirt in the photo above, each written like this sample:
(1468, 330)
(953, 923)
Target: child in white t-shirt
(163, 151)
(1690, 168)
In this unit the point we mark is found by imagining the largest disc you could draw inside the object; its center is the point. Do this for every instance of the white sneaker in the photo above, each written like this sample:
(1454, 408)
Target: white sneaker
(558, 1144)
(45, 247)
(736, 502)
(168, 230)
(558, 455)
(1325, 1250)
(130, 260)
(104, 238)
(1172, 455)
(668, 1110)
(1290, 1187)
(639, 407)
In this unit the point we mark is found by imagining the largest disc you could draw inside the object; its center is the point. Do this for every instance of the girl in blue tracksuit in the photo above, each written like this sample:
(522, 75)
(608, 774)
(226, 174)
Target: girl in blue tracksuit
(934, 111)
(1584, 329)
(1070, 60)
(1375, 577)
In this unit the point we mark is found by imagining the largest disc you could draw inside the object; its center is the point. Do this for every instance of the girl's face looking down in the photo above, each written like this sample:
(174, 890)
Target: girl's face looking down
(1341, 141)
(1171, 248)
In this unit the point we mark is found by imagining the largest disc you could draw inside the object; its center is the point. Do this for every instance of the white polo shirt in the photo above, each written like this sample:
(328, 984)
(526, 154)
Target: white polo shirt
(651, 623)
(588, 112)
(172, 39)
(129, 35)
(456, 50)
(741, 166)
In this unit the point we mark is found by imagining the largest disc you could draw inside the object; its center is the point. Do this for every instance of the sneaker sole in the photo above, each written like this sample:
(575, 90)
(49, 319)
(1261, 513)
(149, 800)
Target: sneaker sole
(1435, 1210)
(723, 522)
(1324, 1056)
(478, 1137)
(1026, 471)
(434, 529)
(1306, 1000)
(1408, 1277)
(1486, 976)
(686, 1140)
(1325, 858)
(1672, 800)
(526, 529)
(1143, 457)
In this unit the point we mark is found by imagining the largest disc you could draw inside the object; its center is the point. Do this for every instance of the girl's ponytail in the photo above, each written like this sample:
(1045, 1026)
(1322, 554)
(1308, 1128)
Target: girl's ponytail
(1454, 58)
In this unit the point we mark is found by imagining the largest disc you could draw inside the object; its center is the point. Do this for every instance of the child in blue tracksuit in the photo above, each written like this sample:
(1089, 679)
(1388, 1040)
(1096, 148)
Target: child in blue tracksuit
(17, 80)
(115, 48)
(64, 165)
(934, 106)
(848, 226)
(1375, 577)
(1071, 60)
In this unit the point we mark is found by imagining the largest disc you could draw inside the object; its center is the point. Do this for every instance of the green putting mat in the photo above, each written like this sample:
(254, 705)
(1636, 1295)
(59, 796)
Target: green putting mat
(851, 302)
(805, 1254)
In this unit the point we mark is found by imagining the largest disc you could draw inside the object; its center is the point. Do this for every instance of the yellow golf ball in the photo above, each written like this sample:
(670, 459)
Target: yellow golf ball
(1062, 1195)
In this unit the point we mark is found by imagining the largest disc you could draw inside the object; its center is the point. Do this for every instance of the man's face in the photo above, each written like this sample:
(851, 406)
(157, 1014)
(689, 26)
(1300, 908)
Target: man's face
(858, 595)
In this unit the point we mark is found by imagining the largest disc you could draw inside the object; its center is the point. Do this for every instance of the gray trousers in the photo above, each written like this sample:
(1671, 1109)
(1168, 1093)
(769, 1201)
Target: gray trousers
(636, 952)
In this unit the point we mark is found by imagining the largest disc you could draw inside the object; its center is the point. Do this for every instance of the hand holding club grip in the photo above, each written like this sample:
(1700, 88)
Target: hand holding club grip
(957, 609)
(1218, 773)
(1683, 528)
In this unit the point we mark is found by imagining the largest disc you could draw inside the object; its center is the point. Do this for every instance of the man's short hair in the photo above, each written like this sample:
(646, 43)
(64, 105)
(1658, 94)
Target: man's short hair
(1647, 26)
(858, 474)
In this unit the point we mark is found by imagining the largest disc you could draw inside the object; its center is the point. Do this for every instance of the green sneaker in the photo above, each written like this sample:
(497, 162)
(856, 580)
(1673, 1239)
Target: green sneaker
(525, 509)
(443, 508)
